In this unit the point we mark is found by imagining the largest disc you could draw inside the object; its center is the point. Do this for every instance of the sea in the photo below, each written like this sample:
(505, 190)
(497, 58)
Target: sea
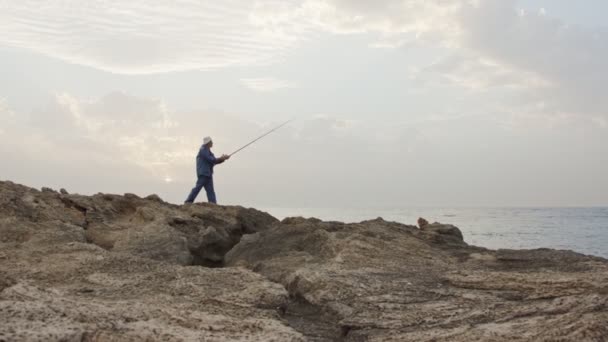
(584, 230)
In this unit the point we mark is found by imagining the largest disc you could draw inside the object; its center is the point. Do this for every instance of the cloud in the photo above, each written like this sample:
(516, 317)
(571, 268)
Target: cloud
(385, 16)
(491, 44)
(116, 129)
(477, 74)
(486, 46)
(266, 84)
(122, 143)
(503, 79)
(138, 37)
(395, 21)
(7, 115)
(570, 58)
(125, 143)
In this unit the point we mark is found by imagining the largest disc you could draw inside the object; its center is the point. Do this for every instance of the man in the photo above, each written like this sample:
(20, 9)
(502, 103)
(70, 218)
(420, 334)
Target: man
(205, 161)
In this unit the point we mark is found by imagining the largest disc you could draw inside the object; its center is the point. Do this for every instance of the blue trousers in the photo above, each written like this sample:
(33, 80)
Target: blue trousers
(203, 182)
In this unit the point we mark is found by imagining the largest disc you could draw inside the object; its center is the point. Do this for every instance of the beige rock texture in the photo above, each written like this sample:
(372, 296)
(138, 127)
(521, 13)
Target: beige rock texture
(126, 268)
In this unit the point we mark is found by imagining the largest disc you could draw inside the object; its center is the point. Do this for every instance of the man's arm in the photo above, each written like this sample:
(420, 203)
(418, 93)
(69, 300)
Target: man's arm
(212, 160)
(222, 159)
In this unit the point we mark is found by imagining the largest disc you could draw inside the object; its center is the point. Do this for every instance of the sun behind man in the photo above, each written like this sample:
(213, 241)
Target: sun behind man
(205, 161)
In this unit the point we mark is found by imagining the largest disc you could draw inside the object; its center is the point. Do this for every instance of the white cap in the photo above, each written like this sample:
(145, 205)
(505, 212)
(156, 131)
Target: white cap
(206, 140)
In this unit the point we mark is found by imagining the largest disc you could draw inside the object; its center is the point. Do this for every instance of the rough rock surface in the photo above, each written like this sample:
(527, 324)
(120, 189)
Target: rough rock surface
(125, 268)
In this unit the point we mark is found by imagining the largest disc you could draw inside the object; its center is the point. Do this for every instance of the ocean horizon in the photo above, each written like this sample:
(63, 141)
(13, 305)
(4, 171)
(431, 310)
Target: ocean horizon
(580, 229)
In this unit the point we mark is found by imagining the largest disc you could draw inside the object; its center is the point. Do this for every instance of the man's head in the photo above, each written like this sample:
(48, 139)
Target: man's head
(207, 142)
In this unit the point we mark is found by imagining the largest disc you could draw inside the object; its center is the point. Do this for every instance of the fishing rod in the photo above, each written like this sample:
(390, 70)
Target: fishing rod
(261, 136)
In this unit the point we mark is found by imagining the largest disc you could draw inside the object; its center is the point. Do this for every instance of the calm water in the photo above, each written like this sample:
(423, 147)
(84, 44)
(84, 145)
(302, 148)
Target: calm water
(584, 230)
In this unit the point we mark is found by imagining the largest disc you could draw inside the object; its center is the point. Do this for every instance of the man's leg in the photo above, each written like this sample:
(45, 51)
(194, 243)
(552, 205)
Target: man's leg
(200, 182)
(210, 191)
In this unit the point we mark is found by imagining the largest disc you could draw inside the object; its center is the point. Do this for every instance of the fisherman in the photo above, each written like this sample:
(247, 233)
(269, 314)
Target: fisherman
(205, 160)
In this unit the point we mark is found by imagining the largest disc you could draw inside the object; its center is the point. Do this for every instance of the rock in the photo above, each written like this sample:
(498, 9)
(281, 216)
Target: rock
(145, 214)
(155, 198)
(379, 280)
(131, 196)
(443, 233)
(155, 241)
(55, 284)
(110, 267)
(296, 220)
(144, 227)
(6, 282)
(64, 191)
(253, 221)
(215, 244)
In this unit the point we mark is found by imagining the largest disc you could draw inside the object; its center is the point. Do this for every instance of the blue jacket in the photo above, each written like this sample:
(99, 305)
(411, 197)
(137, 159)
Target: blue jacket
(205, 160)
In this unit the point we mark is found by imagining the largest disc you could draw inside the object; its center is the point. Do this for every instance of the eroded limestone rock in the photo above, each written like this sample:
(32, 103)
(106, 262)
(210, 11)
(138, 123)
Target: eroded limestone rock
(383, 281)
(123, 268)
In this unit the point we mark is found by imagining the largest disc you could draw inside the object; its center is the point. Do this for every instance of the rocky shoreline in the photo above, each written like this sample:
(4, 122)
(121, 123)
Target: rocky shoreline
(126, 268)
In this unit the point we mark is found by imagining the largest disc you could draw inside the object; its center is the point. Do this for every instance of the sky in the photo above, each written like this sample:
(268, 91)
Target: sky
(396, 103)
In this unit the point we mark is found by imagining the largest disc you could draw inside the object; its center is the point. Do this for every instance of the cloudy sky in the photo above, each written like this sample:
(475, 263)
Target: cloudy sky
(396, 102)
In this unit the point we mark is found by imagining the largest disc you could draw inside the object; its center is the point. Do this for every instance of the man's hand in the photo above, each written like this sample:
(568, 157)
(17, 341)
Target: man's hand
(225, 157)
